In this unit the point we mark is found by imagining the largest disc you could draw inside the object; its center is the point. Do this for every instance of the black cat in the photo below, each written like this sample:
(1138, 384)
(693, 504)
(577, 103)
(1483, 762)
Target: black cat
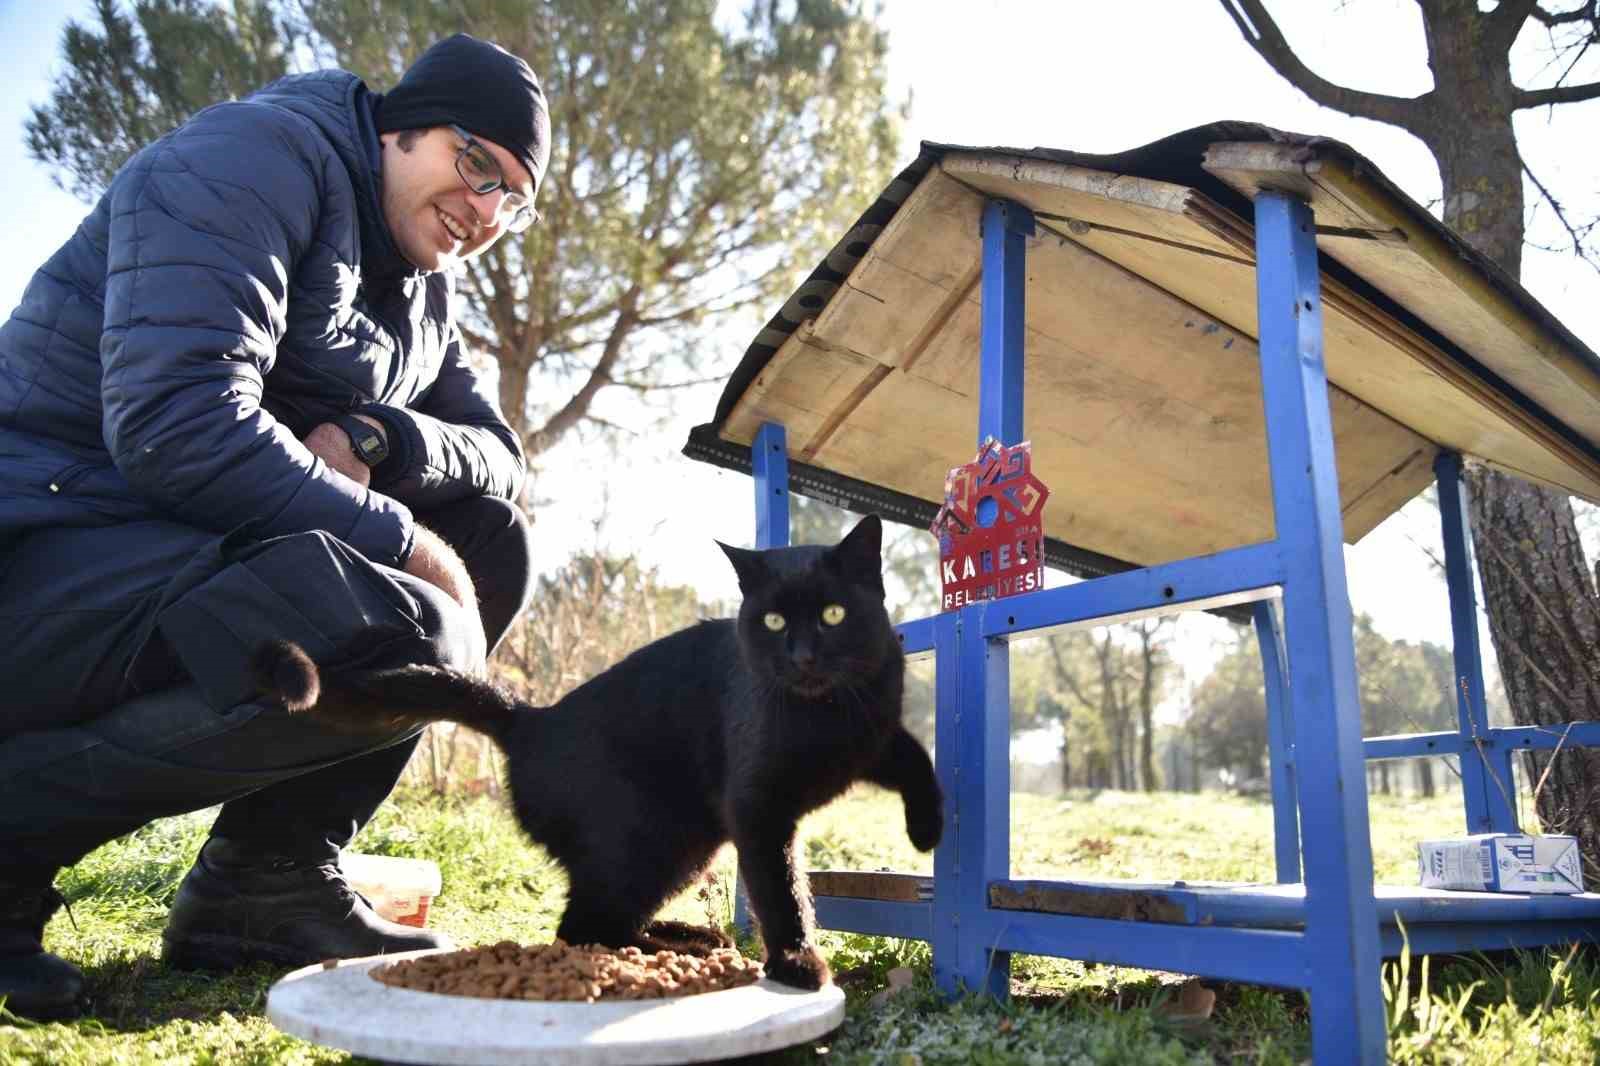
(728, 730)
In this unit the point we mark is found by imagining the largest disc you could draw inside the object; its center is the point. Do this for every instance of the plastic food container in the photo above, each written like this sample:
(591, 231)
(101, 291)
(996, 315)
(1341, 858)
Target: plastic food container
(398, 889)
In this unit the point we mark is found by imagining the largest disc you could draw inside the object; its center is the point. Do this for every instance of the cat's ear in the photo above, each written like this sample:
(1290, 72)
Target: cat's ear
(859, 556)
(749, 565)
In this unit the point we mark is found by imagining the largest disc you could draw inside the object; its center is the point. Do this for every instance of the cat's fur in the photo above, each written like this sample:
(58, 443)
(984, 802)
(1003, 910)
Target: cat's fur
(727, 730)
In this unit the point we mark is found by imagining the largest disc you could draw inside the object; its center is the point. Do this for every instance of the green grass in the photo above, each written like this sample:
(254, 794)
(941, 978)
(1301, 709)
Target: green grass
(1534, 1007)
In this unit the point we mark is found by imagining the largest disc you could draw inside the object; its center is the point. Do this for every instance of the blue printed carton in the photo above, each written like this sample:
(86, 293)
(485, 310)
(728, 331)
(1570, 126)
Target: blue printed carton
(1502, 862)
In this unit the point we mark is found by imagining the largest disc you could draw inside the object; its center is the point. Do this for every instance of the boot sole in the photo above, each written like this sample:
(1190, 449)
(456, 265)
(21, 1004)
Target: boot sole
(222, 953)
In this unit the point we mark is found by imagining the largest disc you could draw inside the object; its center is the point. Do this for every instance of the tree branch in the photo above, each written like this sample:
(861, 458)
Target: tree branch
(1262, 34)
(1065, 676)
(654, 386)
(1591, 10)
(577, 406)
(1557, 94)
(1505, 22)
(1561, 216)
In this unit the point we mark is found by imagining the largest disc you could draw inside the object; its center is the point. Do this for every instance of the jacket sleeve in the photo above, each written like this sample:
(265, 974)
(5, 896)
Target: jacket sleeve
(453, 443)
(207, 228)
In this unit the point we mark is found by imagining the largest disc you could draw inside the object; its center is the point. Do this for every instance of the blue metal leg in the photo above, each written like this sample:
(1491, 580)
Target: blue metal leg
(1280, 746)
(1006, 229)
(769, 464)
(976, 766)
(971, 732)
(1347, 1019)
(946, 936)
(972, 748)
(1486, 784)
(984, 790)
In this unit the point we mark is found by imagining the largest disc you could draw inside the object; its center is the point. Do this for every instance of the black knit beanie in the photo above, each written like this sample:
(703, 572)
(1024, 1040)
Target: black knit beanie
(480, 87)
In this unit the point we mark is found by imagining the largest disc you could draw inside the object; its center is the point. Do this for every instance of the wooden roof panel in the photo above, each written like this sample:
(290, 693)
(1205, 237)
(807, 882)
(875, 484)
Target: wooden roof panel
(1142, 372)
(1166, 420)
(1421, 271)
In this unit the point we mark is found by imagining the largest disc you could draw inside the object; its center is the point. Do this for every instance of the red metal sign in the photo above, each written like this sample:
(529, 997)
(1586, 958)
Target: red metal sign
(991, 527)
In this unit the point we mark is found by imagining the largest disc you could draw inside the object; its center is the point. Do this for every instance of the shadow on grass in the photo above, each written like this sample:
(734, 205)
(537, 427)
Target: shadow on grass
(137, 993)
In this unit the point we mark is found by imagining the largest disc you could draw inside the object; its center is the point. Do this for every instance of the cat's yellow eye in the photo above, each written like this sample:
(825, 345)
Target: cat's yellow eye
(832, 614)
(774, 621)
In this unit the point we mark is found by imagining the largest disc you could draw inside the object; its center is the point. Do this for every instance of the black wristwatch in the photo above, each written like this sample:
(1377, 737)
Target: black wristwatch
(368, 444)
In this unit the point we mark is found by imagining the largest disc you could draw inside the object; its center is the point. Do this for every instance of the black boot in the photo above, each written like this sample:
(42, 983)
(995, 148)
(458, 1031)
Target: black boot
(34, 983)
(237, 906)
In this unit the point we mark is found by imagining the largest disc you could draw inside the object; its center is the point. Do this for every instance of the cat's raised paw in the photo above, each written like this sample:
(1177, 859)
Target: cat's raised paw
(925, 827)
(799, 968)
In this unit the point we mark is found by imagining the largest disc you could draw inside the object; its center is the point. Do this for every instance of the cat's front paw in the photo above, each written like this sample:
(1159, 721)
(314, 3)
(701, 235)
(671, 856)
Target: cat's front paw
(798, 967)
(925, 825)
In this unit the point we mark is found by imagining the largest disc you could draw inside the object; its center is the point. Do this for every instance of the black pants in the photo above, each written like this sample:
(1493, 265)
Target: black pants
(125, 689)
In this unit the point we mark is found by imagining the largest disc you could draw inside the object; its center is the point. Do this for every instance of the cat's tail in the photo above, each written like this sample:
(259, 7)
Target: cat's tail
(380, 699)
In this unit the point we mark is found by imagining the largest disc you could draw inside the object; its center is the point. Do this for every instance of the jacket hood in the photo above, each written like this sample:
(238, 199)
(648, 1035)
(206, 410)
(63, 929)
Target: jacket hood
(341, 106)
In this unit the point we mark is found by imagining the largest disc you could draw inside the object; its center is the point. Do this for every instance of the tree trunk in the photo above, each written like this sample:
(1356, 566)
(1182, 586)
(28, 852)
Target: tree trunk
(1536, 589)
(514, 396)
(1468, 129)
(1066, 764)
(1543, 617)
(1425, 778)
(1543, 621)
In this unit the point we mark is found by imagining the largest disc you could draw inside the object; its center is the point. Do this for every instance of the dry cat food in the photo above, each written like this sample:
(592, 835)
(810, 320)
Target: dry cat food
(559, 971)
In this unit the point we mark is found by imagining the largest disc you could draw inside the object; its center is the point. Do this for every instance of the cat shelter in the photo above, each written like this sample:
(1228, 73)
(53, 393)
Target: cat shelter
(1233, 350)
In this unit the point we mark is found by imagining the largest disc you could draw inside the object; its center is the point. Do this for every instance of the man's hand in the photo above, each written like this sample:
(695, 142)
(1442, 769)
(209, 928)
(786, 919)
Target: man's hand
(332, 445)
(432, 560)
(437, 563)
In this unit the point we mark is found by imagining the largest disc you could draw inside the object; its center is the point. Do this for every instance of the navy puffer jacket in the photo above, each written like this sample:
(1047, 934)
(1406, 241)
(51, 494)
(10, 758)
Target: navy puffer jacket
(235, 286)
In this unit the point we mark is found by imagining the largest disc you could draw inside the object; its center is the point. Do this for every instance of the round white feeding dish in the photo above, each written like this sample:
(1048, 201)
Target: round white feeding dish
(345, 1007)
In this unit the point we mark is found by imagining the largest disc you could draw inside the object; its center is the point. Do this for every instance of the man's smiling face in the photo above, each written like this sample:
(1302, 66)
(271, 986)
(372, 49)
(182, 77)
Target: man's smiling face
(436, 220)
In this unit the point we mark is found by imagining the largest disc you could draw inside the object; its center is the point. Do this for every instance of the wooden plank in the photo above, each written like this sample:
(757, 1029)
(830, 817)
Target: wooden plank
(877, 884)
(803, 384)
(1241, 905)
(1087, 900)
(1250, 166)
(1418, 385)
(1188, 378)
(885, 304)
(1425, 275)
(1062, 193)
(1368, 354)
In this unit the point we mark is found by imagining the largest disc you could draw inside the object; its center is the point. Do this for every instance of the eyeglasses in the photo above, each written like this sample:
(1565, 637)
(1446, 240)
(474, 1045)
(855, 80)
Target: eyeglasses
(482, 174)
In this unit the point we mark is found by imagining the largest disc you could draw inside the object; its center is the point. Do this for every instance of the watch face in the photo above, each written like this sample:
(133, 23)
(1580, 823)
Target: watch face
(371, 447)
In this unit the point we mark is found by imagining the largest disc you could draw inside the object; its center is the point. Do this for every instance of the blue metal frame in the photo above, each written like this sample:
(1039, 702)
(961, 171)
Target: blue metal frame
(1280, 745)
(1323, 929)
(769, 467)
(1006, 229)
(1347, 1020)
(769, 463)
(1487, 785)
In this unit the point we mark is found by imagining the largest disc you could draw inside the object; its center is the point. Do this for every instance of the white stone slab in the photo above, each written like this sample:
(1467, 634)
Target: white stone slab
(347, 1008)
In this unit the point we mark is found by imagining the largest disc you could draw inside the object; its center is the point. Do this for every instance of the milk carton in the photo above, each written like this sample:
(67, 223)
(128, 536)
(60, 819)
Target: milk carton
(1502, 862)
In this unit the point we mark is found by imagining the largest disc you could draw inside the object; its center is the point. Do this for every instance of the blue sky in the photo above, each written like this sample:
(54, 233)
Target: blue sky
(37, 216)
(1075, 75)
